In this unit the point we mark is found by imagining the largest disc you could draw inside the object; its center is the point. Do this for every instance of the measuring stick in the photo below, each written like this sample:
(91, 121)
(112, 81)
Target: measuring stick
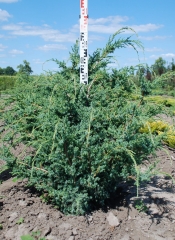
(84, 41)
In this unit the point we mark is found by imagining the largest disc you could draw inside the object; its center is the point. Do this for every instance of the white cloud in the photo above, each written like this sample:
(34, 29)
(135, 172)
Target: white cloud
(60, 37)
(15, 51)
(112, 24)
(135, 60)
(146, 27)
(8, 1)
(164, 55)
(22, 23)
(51, 47)
(108, 25)
(112, 28)
(45, 32)
(168, 55)
(2, 55)
(38, 61)
(154, 56)
(4, 15)
(150, 38)
(12, 27)
(2, 47)
(92, 38)
(3, 62)
(154, 49)
(111, 20)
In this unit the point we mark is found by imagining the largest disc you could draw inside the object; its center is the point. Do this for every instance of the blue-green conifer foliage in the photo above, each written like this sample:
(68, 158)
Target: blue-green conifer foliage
(85, 138)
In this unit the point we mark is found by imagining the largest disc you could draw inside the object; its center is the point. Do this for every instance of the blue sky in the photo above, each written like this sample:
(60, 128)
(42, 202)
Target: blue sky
(38, 30)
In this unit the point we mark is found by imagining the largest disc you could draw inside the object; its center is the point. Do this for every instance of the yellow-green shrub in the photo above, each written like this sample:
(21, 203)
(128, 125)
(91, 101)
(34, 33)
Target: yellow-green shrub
(160, 127)
(167, 101)
(134, 96)
(170, 138)
(154, 127)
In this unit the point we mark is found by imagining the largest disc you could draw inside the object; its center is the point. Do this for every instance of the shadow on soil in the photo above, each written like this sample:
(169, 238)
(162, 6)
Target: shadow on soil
(5, 175)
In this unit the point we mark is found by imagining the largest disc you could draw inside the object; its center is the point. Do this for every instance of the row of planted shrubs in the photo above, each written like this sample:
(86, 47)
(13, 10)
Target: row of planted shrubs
(86, 138)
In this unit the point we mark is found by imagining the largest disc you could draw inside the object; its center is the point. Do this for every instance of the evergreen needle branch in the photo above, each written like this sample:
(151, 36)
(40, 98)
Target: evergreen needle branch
(132, 116)
(89, 127)
(41, 169)
(165, 174)
(91, 86)
(37, 152)
(131, 154)
(53, 138)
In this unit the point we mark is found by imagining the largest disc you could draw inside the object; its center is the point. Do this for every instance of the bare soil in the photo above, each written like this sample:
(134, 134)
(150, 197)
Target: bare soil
(22, 210)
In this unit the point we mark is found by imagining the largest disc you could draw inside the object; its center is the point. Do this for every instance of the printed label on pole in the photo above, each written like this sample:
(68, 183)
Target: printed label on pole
(83, 42)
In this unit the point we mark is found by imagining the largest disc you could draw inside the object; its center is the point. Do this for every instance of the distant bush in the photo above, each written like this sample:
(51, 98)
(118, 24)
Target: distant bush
(7, 82)
(8, 71)
(86, 137)
(165, 83)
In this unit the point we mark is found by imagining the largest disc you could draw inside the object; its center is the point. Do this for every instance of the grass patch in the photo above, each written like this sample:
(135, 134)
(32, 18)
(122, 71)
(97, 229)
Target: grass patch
(7, 82)
(33, 236)
(140, 206)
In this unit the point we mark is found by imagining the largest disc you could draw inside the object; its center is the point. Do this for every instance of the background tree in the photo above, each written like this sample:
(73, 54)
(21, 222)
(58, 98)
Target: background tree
(9, 71)
(159, 67)
(1, 71)
(171, 66)
(25, 68)
(145, 71)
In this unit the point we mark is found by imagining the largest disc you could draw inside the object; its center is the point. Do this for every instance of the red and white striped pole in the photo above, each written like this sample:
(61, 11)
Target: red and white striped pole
(84, 41)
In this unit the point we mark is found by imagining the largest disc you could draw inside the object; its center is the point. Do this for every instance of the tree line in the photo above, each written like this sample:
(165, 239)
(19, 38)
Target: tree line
(22, 68)
(159, 67)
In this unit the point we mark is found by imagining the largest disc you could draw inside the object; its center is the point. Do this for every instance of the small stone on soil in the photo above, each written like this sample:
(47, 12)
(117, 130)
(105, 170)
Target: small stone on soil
(13, 216)
(113, 220)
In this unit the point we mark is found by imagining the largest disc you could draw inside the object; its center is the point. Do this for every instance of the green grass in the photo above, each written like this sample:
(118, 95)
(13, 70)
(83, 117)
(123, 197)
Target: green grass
(20, 221)
(140, 206)
(7, 82)
(33, 236)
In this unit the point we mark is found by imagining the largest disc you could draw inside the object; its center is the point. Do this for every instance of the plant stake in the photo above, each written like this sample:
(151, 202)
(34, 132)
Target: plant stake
(84, 41)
